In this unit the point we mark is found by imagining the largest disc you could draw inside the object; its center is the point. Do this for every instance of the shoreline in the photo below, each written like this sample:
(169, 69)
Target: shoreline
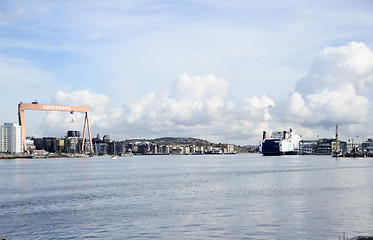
(32, 156)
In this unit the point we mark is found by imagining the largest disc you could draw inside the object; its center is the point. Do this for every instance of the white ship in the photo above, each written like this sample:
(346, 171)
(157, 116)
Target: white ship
(280, 143)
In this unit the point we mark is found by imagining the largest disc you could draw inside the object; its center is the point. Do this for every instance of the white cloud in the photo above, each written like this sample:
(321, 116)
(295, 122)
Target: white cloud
(335, 90)
(197, 107)
(98, 114)
(258, 108)
(195, 100)
(97, 102)
(199, 87)
(336, 66)
(136, 110)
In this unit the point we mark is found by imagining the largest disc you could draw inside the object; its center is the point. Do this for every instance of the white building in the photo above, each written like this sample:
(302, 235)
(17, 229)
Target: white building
(11, 140)
(30, 145)
(230, 148)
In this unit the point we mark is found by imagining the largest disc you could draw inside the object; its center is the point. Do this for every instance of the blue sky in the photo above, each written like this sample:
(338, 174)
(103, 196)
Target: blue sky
(218, 70)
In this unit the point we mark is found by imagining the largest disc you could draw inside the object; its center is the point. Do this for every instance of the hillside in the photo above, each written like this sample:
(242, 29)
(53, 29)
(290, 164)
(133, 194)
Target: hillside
(186, 141)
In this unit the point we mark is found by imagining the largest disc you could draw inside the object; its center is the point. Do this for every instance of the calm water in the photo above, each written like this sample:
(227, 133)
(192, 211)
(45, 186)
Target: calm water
(243, 196)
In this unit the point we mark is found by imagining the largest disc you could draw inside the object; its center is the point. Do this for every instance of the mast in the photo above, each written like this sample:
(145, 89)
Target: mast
(336, 138)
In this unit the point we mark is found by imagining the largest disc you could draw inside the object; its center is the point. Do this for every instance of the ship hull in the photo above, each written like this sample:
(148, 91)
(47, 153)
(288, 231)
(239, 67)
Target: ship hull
(272, 147)
(279, 153)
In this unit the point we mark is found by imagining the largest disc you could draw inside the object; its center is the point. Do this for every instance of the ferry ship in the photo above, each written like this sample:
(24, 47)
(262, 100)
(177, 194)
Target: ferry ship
(280, 143)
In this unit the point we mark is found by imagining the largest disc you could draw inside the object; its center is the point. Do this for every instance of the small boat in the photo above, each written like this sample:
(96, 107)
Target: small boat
(114, 157)
(337, 153)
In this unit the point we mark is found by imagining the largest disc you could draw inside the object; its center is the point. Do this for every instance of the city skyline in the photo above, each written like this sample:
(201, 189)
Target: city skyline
(213, 70)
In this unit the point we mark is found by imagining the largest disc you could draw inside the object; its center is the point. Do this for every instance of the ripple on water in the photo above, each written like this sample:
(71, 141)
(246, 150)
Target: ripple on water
(184, 197)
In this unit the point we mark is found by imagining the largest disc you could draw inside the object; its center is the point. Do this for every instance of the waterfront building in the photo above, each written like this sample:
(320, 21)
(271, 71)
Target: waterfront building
(144, 148)
(116, 148)
(106, 139)
(73, 133)
(112, 148)
(367, 146)
(342, 145)
(135, 148)
(353, 147)
(30, 146)
(154, 148)
(87, 147)
(121, 148)
(177, 150)
(230, 148)
(166, 149)
(60, 144)
(50, 144)
(38, 143)
(160, 149)
(11, 138)
(324, 146)
(101, 148)
(186, 150)
(72, 145)
(308, 146)
(192, 149)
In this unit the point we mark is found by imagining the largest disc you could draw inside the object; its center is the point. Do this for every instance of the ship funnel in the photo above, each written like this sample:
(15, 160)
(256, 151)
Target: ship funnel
(264, 135)
(284, 135)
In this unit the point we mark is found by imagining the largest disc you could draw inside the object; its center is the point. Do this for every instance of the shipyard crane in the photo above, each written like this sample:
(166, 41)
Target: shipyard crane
(50, 107)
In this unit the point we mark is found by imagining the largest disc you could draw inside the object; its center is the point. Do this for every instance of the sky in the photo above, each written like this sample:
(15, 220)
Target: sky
(218, 70)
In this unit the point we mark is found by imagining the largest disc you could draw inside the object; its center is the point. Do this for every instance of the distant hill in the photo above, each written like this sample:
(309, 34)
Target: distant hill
(186, 141)
(174, 141)
(182, 141)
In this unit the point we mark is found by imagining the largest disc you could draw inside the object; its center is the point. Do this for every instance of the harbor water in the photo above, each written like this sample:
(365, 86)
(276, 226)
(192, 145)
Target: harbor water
(242, 196)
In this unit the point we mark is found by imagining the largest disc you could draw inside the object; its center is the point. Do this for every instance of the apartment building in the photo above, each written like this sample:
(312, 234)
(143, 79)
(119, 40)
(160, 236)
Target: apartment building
(11, 138)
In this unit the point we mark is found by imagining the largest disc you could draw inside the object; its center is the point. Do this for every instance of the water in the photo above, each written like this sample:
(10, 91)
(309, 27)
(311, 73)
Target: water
(243, 196)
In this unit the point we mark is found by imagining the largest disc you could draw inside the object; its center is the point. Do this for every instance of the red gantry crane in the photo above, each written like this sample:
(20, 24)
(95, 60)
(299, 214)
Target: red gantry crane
(50, 107)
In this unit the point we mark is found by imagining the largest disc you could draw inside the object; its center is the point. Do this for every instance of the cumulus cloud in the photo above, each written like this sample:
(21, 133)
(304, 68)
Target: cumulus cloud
(98, 114)
(138, 111)
(97, 102)
(336, 66)
(199, 87)
(194, 103)
(258, 108)
(195, 100)
(335, 90)
(196, 107)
